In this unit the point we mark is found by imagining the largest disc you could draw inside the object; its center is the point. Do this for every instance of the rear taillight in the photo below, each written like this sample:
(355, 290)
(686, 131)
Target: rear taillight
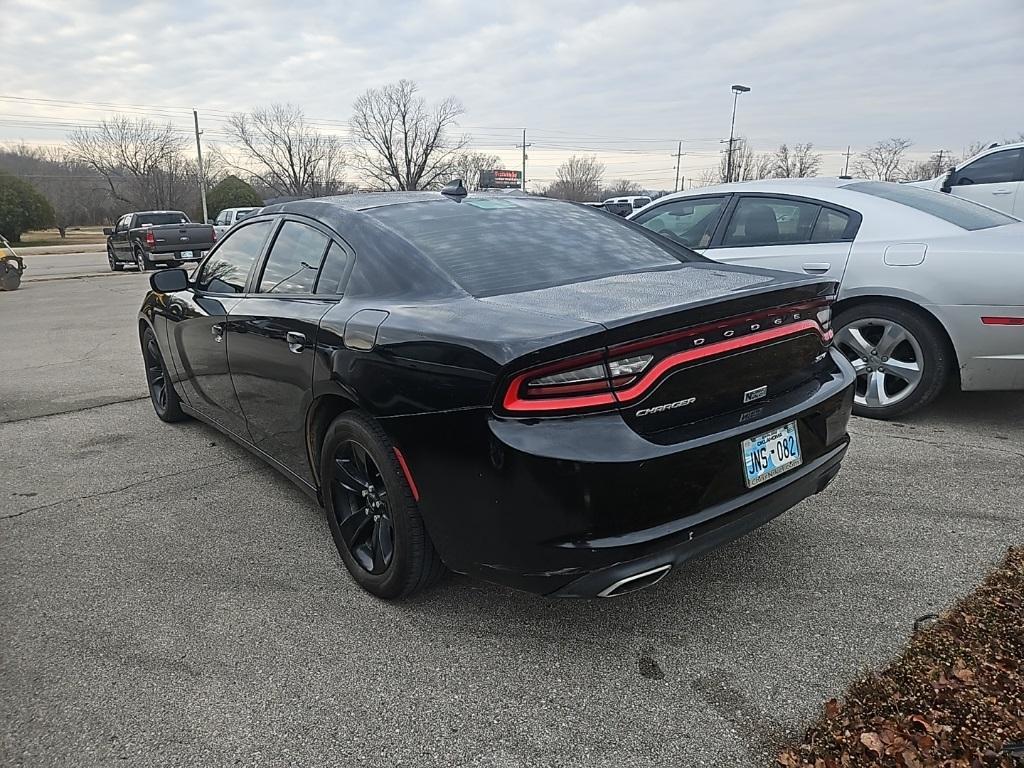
(627, 372)
(150, 237)
(214, 237)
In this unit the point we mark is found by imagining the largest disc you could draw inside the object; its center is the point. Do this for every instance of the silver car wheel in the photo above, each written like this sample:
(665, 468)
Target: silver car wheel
(887, 358)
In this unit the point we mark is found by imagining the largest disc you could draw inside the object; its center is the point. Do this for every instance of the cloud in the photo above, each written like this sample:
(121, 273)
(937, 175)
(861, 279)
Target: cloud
(622, 80)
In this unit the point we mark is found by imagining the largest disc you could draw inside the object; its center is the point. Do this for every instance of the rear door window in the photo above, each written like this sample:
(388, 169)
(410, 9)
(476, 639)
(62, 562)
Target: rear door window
(294, 259)
(831, 227)
(491, 246)
(770, 221)
(690, 222)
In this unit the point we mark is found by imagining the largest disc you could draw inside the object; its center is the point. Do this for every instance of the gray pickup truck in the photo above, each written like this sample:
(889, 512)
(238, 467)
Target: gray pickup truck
(147, 238)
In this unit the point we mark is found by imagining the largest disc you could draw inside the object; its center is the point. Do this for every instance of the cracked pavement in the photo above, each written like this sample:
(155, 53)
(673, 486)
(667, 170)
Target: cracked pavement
(170, 600)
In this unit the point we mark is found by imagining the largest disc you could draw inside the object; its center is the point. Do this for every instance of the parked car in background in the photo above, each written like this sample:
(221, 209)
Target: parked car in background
(148, 238)
(932, 286)
(519, 388)
(229, 217)
(993, 177)
(623, 206)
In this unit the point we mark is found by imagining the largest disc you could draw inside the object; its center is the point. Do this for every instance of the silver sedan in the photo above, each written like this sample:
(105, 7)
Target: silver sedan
(931, 286)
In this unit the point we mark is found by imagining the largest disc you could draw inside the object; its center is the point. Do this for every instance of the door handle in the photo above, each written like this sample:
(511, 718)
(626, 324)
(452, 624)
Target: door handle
(296, 341)
(817, 267)
(1002, 191)
(218, 332)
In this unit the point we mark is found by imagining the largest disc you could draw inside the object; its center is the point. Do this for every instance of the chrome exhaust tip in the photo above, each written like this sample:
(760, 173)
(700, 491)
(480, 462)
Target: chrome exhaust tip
(636, 582)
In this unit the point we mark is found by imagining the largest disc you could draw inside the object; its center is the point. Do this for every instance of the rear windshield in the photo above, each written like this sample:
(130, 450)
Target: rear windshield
(156, 219)
(955, 210)
(491, 246)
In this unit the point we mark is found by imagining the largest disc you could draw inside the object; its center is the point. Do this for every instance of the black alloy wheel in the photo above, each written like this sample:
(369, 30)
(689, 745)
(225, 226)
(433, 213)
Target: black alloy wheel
(361, 508)
(161, 390)
(373, 512)
(141, 262)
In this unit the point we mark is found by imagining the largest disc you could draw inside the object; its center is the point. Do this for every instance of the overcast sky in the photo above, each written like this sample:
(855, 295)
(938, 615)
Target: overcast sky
(623, 80)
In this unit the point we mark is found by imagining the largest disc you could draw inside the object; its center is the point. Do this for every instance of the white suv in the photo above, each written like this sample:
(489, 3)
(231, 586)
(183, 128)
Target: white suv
(993, 177)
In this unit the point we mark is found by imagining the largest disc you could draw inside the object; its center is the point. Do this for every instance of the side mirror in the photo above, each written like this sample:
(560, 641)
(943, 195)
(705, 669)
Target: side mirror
(169, 280)
(948, 180)
(108, 231)
(210, 221)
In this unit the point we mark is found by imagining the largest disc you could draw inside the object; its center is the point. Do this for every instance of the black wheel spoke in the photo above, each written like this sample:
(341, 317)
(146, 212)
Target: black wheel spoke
(349, 476)
(355, 529)
(385, 540)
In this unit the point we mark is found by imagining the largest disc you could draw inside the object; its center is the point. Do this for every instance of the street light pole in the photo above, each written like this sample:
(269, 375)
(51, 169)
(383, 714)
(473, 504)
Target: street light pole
(736, 91)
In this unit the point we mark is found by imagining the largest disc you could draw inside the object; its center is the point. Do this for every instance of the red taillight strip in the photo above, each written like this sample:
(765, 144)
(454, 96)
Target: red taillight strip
(665, 338)
(408, 474)
(650, 378)
(1003, 320)
(514, 403)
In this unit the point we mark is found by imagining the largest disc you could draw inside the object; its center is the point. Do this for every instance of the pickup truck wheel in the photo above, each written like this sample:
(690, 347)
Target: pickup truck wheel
(115, 265)
(161, 389)
(141, 260)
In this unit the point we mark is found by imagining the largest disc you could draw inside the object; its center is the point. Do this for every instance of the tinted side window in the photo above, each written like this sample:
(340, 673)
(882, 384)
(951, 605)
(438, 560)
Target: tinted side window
(997, 168)
(333, 271)
(227, 268)
(690, 222)
(831, 226)
(294, 259)
(770, 221)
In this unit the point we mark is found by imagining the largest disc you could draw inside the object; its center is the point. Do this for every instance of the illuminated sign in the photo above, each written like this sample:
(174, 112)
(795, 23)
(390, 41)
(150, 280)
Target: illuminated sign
(499, 178)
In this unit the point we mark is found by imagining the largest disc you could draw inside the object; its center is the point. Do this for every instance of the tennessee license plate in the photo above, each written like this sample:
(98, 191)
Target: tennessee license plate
(186, 254)
(770, 454)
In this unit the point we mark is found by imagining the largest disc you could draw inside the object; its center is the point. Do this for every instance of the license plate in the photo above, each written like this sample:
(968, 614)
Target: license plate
(186, 254)
(770, 454)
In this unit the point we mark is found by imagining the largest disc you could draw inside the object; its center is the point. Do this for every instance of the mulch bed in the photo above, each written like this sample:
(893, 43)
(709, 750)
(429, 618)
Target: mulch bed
(953, 699)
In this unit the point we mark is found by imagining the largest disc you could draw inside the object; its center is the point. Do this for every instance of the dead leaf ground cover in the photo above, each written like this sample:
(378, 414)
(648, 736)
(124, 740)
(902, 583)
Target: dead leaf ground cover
(953, 699)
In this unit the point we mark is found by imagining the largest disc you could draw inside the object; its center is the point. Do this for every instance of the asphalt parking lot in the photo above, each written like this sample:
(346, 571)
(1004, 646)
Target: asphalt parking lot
(170, 600)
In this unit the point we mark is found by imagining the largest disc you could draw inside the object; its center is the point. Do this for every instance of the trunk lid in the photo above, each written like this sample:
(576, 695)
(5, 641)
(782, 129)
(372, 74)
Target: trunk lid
(682, 345)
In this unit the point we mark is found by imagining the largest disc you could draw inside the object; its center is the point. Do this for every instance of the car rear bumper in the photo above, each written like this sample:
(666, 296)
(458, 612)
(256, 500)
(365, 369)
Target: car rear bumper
(725, 522)
(567, 506)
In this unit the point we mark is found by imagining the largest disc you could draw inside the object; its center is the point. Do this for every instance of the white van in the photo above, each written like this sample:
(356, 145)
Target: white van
(623, 206)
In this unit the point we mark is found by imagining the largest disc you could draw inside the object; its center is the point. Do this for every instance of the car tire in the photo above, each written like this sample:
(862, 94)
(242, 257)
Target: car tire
(374, 517)
(142, 261)
(901, 357)
(161, 389)
(115, 265)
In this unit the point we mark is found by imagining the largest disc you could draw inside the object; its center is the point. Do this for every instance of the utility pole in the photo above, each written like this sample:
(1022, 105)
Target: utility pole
(679, 154)
(846, 168)
(736, 91)
(202, 174)
(938, 163)
(524, 145)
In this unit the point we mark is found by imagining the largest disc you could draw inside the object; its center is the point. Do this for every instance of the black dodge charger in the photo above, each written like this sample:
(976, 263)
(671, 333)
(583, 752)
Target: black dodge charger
(530, 391)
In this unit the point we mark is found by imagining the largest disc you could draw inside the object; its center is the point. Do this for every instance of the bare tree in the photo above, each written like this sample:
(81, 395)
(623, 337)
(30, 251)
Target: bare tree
(578, 178)
(796, 163)
(621, 188)
(402, 144)
(747, 165)
(884, 160)
(141, 162)
(284, 153)
(467, 166)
